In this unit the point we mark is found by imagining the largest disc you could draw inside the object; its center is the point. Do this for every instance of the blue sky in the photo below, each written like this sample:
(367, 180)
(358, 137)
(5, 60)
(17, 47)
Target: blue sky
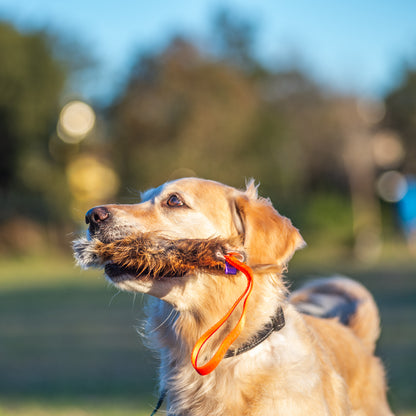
(354, 45)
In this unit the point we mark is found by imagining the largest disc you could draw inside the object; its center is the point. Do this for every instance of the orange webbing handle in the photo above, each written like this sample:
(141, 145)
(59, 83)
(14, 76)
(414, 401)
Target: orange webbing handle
(232, 336)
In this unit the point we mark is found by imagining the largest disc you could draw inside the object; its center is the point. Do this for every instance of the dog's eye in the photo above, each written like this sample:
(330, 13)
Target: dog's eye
(174, 201)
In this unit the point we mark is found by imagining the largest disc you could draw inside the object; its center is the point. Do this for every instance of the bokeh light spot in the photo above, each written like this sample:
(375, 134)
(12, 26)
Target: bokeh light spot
(371, 112)
(388, 150)
(91, 180)
(391, 186)
(76, 121)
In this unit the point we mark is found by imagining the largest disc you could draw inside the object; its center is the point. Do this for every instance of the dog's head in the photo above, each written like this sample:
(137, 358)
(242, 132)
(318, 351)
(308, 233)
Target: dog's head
(196, 209)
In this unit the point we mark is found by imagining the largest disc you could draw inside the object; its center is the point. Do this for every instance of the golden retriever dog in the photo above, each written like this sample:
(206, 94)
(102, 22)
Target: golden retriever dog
(190, 244)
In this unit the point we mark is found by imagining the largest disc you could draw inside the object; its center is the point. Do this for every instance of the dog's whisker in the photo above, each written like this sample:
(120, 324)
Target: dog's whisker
(172, 314)
(113, 297)
(133, 301)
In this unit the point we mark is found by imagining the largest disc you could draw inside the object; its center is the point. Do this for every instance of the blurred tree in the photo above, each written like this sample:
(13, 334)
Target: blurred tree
(30, 84)
(188, 112)
(33, 76)
(310, 153)
(401, 116)
(182, 110)
(233, 40)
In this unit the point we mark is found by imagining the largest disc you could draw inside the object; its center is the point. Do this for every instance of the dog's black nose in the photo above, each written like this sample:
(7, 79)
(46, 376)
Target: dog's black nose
(97, 215)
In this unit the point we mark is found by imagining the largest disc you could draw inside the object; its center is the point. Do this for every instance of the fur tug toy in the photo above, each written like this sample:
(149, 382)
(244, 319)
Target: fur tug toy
(146, 255)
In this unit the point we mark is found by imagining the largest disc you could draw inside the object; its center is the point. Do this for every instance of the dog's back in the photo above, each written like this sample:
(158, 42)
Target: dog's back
(342, 298)
(342, 316)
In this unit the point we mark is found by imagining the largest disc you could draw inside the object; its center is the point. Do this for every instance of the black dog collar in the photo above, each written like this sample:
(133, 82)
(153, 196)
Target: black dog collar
(276, 324)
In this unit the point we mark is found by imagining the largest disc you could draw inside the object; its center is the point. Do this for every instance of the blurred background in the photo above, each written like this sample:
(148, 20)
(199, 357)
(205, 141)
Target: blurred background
(102, 100)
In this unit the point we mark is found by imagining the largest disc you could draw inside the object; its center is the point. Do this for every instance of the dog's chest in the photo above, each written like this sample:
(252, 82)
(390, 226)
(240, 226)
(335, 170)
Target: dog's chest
(266, 378)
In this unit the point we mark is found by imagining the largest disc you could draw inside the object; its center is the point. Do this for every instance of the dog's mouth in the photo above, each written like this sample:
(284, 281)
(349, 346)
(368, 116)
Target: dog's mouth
(118, 273)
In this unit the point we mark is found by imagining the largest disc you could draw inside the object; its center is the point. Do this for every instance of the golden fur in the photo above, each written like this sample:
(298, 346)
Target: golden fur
(313, 366)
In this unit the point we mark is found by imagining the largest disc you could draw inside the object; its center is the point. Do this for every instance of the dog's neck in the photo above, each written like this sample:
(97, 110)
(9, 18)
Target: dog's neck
(205, 306)
(174, 333)
(276, 324)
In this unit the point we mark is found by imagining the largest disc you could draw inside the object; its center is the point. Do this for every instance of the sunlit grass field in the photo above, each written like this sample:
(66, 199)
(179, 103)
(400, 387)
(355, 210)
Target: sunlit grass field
(69, 346)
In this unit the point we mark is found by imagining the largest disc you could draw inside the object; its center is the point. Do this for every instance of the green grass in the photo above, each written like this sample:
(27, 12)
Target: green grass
(68, 344)
(93, 406)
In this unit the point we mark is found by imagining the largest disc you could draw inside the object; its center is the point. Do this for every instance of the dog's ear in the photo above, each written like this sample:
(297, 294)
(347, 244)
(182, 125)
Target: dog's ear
(269, 238)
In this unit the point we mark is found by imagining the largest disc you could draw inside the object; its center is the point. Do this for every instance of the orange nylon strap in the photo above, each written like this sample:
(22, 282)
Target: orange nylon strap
(232, 336)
